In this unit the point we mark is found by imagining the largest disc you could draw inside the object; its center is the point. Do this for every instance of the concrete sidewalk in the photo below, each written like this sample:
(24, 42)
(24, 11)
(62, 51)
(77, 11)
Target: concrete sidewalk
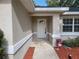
(43, 50)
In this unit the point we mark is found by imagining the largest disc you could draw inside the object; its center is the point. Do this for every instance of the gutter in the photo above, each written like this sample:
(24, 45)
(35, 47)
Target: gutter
(51, 9)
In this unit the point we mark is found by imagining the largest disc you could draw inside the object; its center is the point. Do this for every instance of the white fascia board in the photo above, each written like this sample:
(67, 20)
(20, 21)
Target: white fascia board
(71, 13)
(38, 9)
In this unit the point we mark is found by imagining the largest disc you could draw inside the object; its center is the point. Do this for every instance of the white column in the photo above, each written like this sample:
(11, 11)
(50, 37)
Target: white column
(55, 28)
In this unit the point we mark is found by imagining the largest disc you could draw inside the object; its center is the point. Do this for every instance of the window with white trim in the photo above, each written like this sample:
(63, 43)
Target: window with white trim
(76, 25)
(70, 25)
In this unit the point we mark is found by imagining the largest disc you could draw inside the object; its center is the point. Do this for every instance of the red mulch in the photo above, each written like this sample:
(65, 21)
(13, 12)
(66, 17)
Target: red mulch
(29, 53)
(64, 52)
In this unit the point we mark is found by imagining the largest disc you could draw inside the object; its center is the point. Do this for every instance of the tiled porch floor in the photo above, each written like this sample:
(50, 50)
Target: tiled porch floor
(43, 50)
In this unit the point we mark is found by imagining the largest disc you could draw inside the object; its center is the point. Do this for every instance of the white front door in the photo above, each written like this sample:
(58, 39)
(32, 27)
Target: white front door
(41, 28)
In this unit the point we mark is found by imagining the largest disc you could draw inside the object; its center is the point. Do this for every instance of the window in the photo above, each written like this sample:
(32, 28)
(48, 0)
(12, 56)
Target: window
(76, 25)
(67, 25)
(71, 25)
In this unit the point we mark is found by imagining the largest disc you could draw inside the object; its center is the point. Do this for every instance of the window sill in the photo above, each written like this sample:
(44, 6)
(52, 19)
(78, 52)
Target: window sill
(70, 33)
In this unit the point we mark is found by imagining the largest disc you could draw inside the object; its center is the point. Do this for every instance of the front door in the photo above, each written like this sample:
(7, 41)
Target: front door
(41, 28)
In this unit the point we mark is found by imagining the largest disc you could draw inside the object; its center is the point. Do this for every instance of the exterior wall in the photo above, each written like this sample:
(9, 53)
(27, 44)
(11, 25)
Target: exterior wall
(5, 1)
(29, 5)
(34, 28)
(55, 27)
(6, 23)
(21, 21)
(21, 27)
(49, 24)
(49, 29)
(34, 23)
(56, 23)
(16, 25)
(66, 37)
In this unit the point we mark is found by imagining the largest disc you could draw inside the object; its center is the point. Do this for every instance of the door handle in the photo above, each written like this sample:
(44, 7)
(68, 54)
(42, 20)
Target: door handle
(45, 30)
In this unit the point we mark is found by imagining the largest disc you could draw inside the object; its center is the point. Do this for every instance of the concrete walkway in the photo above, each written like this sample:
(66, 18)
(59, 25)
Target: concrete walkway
(43, 50)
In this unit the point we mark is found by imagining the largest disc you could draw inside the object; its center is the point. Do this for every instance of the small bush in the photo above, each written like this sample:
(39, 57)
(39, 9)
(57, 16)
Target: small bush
(1, 41)
(1, 50)
(71, 42)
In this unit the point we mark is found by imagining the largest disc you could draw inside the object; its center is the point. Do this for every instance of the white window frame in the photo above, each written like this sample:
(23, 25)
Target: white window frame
(69, 33)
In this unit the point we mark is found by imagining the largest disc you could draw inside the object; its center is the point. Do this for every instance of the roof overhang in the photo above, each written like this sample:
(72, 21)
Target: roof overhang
(28, 4)
(51, 9)
(71, 13)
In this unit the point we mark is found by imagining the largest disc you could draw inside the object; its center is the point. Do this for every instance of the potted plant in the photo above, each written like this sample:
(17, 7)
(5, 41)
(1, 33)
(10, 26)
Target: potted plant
(1, 44)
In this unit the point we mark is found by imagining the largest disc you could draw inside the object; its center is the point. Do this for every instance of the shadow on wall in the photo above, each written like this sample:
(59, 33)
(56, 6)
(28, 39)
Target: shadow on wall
(5, 1)
(3, 46)
(21, 15)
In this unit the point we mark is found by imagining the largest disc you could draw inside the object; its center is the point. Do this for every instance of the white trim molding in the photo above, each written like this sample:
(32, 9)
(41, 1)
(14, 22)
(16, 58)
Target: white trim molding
(38, 9)
(70, 33)
(71, 13)
(12, 49)
(56, 36)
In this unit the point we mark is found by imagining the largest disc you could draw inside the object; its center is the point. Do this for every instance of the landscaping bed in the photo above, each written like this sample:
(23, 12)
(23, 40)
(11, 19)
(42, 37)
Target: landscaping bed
(69, 49)
(2, 44)
(64, 53)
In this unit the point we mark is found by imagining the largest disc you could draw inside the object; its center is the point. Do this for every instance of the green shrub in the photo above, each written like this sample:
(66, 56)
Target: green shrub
(1, 50)
(1, 41)
(71, 42)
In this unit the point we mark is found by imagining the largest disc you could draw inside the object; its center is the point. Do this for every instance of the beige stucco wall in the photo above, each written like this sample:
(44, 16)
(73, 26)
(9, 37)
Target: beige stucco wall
(56, 23)
(21, 21)
(21, 27)
(66, 37)
(34, 28)
(34, 23)
(49, 29)
(5, 1)
(55, 27)
(29, 5)
(49, 24)
(6, 23)
(16, 25)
